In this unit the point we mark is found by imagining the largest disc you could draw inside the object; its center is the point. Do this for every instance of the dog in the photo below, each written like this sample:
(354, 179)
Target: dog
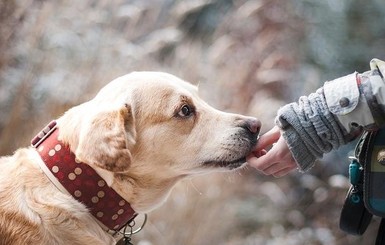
(122, 152)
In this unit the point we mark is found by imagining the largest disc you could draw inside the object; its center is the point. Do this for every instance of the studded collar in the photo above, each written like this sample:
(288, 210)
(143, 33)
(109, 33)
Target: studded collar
(80, 180)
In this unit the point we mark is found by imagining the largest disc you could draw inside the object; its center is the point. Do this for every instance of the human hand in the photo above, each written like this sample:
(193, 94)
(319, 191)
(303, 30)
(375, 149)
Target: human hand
(278, 161)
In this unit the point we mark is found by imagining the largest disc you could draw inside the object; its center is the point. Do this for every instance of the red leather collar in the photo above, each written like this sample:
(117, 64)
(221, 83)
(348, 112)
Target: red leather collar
(82, 181)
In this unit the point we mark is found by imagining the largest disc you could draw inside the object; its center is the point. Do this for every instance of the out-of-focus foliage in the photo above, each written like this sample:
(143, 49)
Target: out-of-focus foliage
(248, 57)
(342, 36)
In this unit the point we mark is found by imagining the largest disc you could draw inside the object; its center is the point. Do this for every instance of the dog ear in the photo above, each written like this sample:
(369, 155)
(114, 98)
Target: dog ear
(106, 140)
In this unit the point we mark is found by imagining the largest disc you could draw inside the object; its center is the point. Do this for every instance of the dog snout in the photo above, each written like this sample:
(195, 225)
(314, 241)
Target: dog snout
(252, 124)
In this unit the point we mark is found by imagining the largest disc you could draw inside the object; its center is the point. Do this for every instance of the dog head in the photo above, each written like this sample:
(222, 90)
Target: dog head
(146, 130)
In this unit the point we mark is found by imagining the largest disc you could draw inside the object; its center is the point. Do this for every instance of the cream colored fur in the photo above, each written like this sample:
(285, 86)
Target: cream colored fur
(136, 135)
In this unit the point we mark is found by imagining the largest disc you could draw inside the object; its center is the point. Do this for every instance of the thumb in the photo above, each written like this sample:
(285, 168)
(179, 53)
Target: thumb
(267, 139)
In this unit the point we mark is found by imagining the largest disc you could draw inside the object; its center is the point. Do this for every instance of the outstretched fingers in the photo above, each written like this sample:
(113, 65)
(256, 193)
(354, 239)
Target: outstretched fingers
(278, 161)
(263, 162)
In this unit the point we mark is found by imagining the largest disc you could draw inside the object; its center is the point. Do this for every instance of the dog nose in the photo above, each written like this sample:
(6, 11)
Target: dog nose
(253, 125)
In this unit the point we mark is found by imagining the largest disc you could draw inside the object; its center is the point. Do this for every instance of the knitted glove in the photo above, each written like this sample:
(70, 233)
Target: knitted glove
(310, 129)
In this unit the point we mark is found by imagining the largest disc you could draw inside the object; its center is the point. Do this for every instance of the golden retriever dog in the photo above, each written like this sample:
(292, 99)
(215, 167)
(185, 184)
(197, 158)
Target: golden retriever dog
(90, 171)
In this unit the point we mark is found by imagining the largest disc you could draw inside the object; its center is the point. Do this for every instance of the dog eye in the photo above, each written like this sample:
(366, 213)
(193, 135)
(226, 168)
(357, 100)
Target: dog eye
(186, 111)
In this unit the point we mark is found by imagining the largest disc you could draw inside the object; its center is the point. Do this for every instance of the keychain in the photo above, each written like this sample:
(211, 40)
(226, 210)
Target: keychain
(355, 218)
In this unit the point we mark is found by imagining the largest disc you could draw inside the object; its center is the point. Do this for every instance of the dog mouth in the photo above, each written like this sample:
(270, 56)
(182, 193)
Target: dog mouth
(233, 158)
(230, 165)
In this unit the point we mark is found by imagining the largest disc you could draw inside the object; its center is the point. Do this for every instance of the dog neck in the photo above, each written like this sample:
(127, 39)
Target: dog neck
(80, 180)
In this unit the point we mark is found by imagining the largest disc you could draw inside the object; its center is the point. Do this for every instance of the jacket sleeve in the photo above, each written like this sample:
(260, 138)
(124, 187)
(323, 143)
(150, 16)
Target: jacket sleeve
(334, 115)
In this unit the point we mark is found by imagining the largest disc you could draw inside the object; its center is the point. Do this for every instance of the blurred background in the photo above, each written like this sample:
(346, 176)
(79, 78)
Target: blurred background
(249, 57)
